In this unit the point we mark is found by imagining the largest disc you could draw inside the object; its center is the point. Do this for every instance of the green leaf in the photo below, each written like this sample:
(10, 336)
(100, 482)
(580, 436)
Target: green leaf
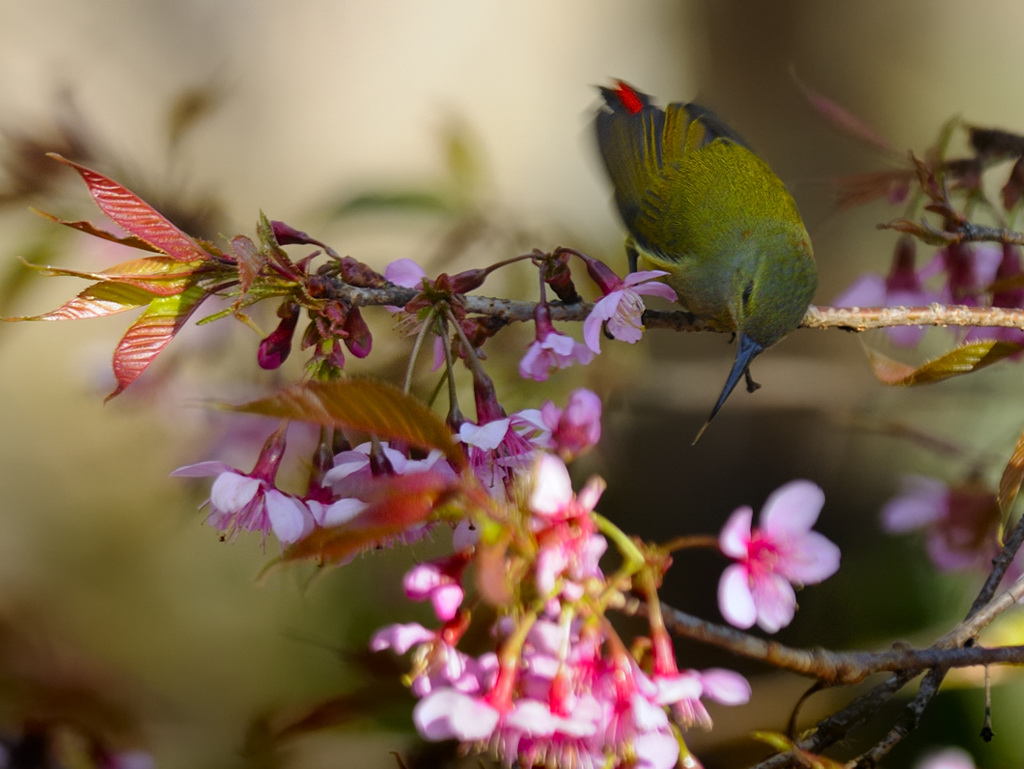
(367, 405)
(151, 333)
(962, 360)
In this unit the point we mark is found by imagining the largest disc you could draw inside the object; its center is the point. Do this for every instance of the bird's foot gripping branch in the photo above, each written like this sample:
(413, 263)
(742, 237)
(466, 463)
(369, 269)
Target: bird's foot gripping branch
(522, 658)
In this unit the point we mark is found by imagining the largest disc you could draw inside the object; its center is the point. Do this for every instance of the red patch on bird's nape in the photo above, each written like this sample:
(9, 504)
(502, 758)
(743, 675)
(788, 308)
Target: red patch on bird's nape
(629, 98)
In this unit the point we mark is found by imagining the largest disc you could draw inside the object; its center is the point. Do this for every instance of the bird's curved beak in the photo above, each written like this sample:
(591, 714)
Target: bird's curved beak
(747, 350)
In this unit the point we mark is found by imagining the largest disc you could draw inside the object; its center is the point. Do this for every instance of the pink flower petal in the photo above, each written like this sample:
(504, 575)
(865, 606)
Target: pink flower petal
(657, 288)
(400, 638)
(922, 501)
(866, 291)
(792, 509)
(233, 491)
(950, 758)
(465, 535)
(337, 513)
(726, 687)
(640, 276)
(532, 718)
(290, 520)
(552, 487)
(405, 272)
(446, 714)
(486, 436)
(420, 580)
(656, 750)
(203, 469)
(775, 602)
(446, 601)
(681, 686)
(735, 600)
(534, 364)
(647, 716)
(603, 310)
(735, 535)
(810, 559)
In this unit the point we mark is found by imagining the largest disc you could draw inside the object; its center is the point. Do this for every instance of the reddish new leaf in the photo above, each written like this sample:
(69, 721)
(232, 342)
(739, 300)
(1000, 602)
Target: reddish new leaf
(844, 120)
(1013, 476)
(151, 333)
(157, 275)
(97, 301)
(91, 229)
(399, 503)
(136, 216)
(249, 259)
(366, 405)
(962, 360)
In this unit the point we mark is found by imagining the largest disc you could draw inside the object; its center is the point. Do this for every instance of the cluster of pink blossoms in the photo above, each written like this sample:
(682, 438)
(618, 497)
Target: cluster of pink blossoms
(619, 313)
(560, 688)
(976, 276)
(498, 449)
(961, 522)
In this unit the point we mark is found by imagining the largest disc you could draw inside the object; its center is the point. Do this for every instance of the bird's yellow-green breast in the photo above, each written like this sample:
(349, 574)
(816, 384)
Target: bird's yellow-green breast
(701, 205)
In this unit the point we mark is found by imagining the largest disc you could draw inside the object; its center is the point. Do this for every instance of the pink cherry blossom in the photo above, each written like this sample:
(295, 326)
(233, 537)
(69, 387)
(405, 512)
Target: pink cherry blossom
(408, 274)
(401, 637)
(242, 502)
(552, 350)
(903, 287)
(552, 497)
(439, 582)
(782, 551)
(501, 448)
(449, 714)
(948, 758)
(622, 308)
(353, 467)
(405, 272)
(574, 429)
(437, 664)
(962, 522)
(1008, 274)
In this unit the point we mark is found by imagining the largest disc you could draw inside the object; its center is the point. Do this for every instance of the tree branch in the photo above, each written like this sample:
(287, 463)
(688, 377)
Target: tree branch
(848, 318)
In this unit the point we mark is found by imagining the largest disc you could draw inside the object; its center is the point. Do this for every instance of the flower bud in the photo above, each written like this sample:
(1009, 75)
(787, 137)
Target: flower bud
(275, 348)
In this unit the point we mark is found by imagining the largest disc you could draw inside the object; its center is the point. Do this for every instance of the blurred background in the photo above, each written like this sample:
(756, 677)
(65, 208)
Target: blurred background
(456, 133)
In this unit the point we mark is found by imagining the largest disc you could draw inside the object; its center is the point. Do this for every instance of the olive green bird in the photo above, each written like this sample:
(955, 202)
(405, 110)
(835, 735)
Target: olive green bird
(699, 204)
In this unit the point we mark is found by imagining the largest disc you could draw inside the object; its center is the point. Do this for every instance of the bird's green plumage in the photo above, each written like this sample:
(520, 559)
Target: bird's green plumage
(699, 204)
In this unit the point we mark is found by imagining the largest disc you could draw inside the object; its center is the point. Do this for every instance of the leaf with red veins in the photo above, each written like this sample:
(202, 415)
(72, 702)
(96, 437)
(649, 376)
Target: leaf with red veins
(91, 229)
(150, 334)
(369, 406)
(250, 260)
(398, 504)
(97, 301)
(156, 275)
(133, 214)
